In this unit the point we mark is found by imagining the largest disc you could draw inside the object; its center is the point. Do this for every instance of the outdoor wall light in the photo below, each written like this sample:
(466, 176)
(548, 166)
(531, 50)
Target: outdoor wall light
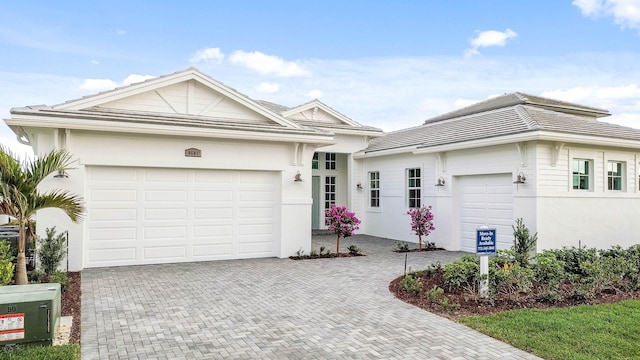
(298, 177)
(521, 179)
(61, 175)
(440, 181)
(359, 186)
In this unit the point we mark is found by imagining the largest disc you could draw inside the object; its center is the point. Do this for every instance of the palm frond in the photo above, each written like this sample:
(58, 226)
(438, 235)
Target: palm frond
(37, 170)
(70, 203)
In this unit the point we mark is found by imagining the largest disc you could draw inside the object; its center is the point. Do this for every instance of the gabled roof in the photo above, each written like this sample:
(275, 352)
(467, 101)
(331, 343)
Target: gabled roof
(508, 115)
(319, 115)
(187, 103)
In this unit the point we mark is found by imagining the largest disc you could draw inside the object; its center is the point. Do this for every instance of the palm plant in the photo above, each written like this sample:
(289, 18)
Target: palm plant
(21, 199)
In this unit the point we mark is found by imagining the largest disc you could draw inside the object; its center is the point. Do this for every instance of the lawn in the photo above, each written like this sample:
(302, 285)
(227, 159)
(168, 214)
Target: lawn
(62, 352)
(608, 331)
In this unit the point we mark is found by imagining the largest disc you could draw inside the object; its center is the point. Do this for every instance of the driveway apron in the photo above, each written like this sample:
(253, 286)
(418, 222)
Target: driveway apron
(337, 308)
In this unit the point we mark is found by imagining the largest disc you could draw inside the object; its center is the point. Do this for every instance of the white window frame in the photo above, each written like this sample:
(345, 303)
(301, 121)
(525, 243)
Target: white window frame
(589, 174)
(374, 189)
(414, 187)
(330, 161)
(330, 186)
(620, 177)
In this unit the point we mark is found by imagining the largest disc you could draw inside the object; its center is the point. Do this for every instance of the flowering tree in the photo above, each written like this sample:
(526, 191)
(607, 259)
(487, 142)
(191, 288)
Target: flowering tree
(341, 222)
(421, 222)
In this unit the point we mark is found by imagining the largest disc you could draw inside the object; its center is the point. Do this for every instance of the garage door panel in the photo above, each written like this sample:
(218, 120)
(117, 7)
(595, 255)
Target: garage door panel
(165, 195)
(112, 214)
(212, 231)
(113, 233)
(112, 256)
(119, 195)
(169, 215)
(213, 213)
(172, 253)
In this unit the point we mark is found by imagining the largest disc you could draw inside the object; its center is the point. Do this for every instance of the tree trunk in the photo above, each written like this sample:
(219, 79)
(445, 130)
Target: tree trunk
(21, 265)
(420, 242)
(337, 245)
(21, 270)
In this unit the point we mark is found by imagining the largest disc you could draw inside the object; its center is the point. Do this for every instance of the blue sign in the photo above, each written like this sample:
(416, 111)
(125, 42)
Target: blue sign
(485, 241)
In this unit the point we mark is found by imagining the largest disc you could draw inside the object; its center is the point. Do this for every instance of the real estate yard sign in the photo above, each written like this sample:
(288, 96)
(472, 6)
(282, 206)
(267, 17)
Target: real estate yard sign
(485, 245)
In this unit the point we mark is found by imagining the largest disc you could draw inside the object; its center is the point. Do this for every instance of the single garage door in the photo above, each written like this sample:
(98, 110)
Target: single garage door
(486, 200)
(156, 215)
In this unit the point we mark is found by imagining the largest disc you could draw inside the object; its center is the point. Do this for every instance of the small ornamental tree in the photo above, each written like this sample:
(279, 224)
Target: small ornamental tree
(341, 222)
(421, 222)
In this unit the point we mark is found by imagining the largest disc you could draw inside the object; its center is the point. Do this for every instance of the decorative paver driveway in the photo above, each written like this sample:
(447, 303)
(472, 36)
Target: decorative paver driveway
(272, 309)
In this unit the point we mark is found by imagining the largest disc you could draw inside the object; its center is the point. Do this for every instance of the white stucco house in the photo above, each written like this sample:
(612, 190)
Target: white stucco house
(572, 178)
(184, 168)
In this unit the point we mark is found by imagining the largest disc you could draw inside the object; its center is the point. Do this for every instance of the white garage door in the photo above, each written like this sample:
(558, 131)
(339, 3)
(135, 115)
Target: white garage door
(154, 215)
(486, 200)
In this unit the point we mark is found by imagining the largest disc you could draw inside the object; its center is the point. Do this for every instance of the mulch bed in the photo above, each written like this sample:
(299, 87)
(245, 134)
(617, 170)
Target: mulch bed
(419, 250)
(71, 304)
(470, 307)
(324, 256)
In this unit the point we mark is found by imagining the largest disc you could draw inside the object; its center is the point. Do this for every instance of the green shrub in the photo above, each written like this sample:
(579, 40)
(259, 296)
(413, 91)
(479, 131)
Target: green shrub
(61, 278)
(6, 263)
(447, 306)
(523, 242)
(353, 250)
(462, 274)
(433, 268)
(510, 280)
(412, 283)
(51, 251)
(574, 258)
(435, 293)
(62, 352)
(548, 268)
(402, 246)
(35, 276)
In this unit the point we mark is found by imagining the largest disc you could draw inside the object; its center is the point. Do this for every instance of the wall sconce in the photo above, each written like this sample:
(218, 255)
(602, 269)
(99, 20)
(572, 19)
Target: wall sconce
(359, 186)
(521, 179)
(61, 175)
(298, 177)
(440, 181)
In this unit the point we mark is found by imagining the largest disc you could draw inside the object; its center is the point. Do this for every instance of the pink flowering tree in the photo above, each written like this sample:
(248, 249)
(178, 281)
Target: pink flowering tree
(341, 222)
(421, 222)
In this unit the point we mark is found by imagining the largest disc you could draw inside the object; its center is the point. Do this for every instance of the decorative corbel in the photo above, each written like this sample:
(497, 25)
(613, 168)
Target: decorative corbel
(522, 150)
(556, 148)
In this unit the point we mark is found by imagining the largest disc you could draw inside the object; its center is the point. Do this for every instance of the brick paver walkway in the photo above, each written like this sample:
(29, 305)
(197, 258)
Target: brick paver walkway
(272, 309)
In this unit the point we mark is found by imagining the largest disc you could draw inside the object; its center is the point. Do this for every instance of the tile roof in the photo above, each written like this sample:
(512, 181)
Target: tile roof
(510, 119)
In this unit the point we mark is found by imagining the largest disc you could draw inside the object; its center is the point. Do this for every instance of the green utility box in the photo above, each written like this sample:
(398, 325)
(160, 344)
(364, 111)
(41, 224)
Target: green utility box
(29, 314)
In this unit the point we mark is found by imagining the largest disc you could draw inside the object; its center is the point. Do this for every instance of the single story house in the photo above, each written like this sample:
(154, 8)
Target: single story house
(183, 168)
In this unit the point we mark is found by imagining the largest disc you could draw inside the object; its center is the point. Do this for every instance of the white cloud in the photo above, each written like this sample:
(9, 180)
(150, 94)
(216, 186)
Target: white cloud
(626, 13)
(267, 64)
(95, 62)
(489, 38)
(121, 32)
(135, 78)
(315, 93)
(460, 103)
(268, 88)
(98, 84)
(207, 55)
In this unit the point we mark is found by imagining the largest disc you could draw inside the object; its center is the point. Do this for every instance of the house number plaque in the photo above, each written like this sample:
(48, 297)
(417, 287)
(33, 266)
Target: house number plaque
(192, 152)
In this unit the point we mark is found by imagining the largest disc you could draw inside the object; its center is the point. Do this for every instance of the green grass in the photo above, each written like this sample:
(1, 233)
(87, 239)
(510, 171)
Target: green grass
(583, 332)
(62, 352)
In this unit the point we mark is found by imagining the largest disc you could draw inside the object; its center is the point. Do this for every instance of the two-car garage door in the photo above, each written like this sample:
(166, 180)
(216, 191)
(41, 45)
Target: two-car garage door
(157, 215)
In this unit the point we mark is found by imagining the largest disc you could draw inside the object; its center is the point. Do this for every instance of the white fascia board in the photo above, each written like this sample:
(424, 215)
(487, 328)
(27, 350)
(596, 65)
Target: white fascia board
(368, 133)
(155, 129)
(396, 151)
(324, 107)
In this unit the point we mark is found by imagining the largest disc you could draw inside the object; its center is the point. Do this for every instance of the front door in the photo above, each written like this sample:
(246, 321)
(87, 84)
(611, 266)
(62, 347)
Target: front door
(315, 208)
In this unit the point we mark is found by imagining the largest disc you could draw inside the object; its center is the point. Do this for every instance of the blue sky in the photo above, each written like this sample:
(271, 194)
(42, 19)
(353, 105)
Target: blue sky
(390, 64)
